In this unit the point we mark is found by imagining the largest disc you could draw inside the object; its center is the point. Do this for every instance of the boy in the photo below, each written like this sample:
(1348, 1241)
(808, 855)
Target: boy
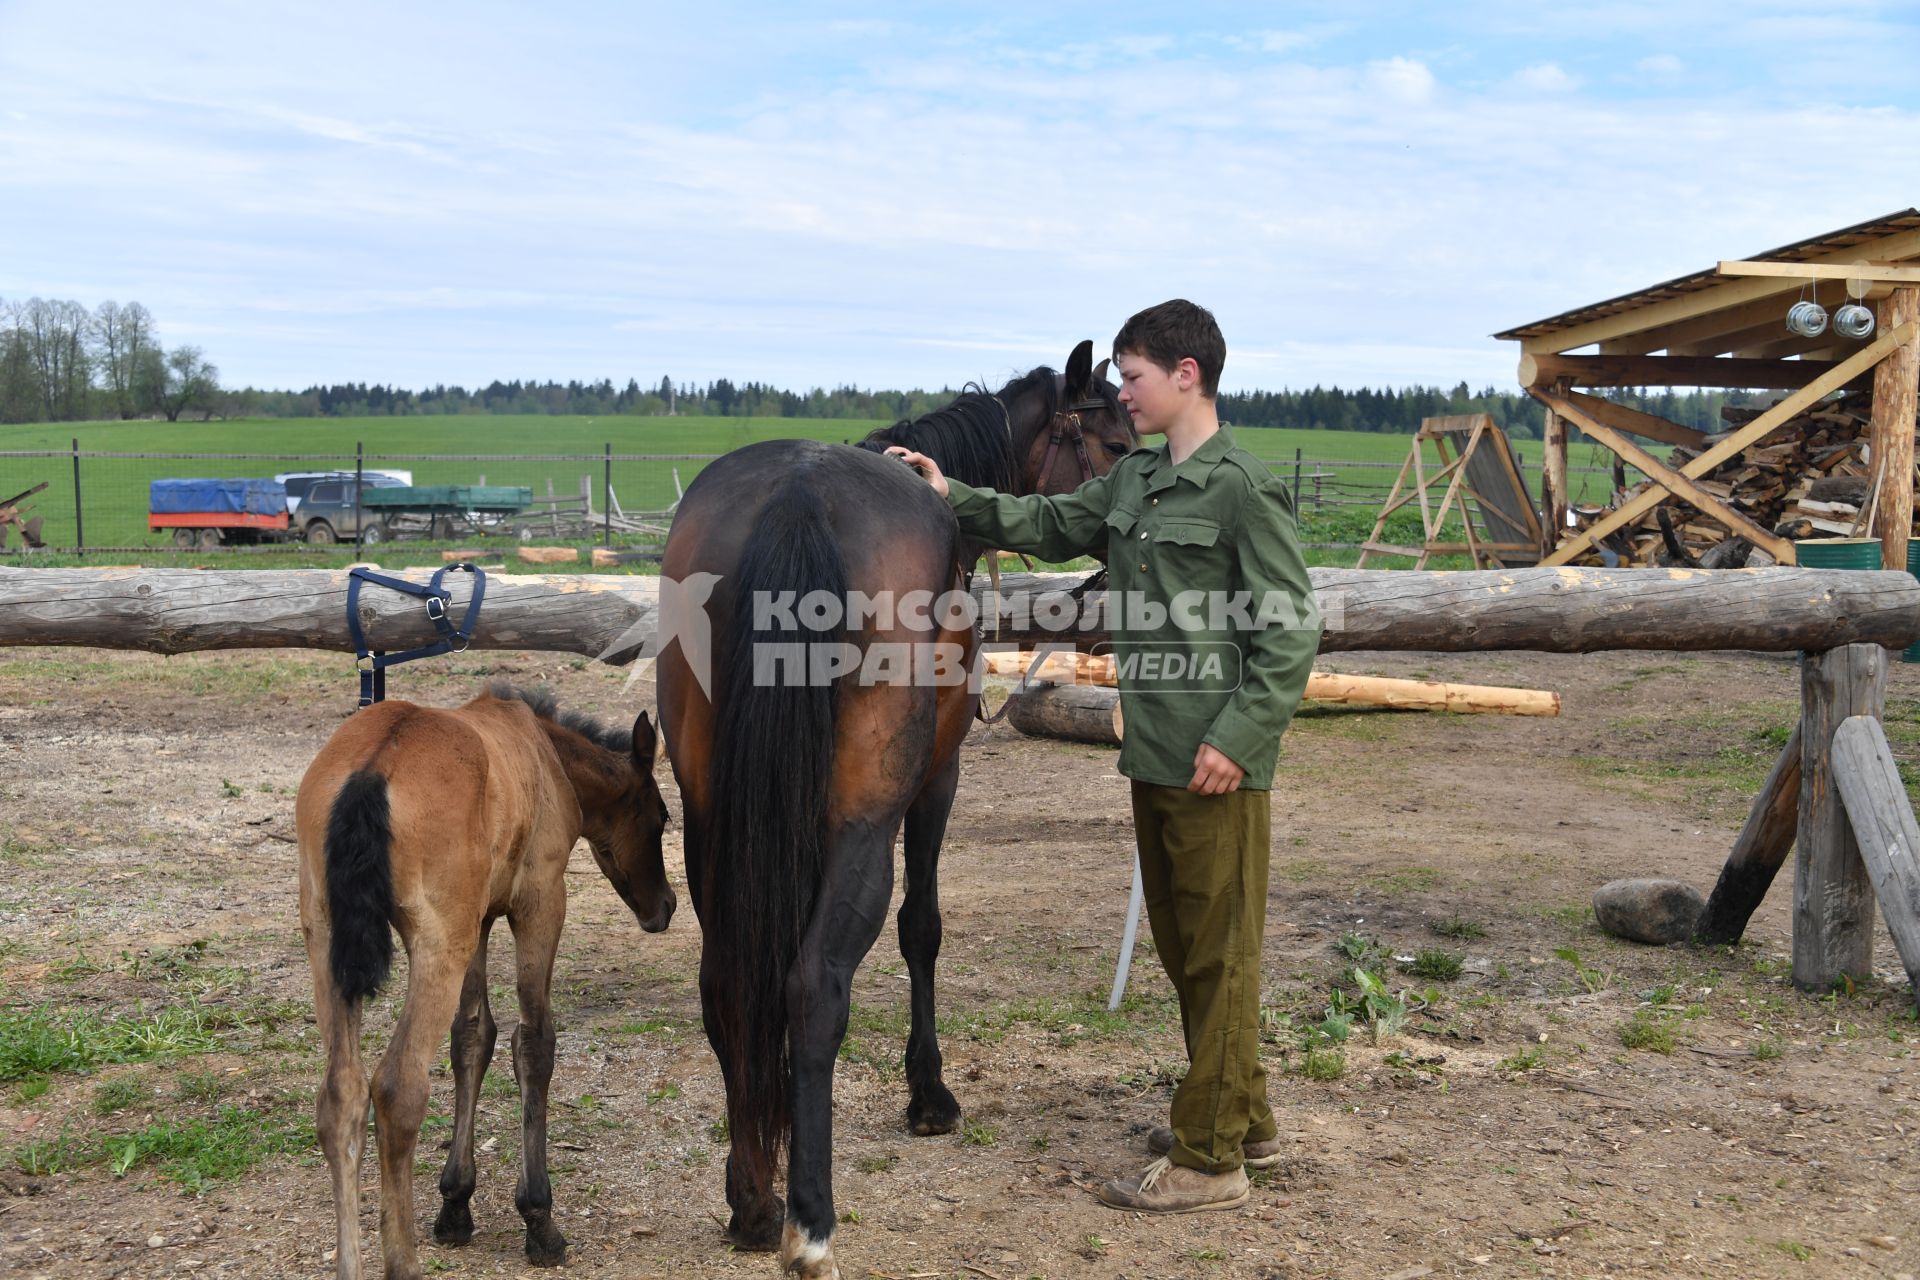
(1191, 530)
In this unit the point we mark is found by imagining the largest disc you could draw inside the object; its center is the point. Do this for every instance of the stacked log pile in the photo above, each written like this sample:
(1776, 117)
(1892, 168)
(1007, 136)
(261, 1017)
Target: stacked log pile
(1808, 479)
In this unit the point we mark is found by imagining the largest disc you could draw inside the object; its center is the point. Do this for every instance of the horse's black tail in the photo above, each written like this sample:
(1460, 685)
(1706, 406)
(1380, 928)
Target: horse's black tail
(360, 887)
(771, 770)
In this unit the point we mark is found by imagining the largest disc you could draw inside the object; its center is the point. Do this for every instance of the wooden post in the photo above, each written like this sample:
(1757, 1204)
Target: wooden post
(1553, 474)
(1832, 897)
(1759, 852)
(1876, 800)
(1896, 389)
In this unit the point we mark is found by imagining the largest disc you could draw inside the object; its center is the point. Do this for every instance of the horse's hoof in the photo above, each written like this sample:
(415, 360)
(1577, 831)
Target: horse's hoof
(807, 1258)
(546, 1247)
(934, 1112)
(454, 1226)
(759, 1232)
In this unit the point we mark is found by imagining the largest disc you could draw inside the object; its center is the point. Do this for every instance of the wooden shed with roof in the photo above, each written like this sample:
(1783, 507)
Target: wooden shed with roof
(1726, 327)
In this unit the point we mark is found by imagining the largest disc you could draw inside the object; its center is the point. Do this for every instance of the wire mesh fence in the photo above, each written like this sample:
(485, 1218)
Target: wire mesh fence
(99, 500)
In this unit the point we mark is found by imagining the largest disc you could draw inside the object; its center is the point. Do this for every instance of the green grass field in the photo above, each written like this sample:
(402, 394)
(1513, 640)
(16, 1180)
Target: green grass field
(115, 489)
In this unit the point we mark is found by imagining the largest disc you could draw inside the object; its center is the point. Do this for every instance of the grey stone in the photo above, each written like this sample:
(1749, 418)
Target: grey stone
(1657, 911)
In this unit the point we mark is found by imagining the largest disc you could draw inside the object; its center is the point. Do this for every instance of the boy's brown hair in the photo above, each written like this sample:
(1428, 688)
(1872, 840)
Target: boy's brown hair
(1173, 331)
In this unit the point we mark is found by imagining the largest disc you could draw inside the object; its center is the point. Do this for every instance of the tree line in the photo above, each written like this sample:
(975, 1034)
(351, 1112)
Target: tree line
(1391, 410)
(60, 362)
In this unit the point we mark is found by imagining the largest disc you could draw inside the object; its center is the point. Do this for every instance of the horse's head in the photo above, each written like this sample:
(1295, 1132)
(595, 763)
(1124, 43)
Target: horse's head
(625, 835)
(1070, 427)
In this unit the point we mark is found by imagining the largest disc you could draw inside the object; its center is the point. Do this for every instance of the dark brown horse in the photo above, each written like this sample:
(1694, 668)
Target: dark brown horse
(797, 773)
(436, 823)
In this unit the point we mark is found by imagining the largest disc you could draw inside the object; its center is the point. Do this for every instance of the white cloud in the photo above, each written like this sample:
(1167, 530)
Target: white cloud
(1404, 79)
(1546, 77)
(1661, 64)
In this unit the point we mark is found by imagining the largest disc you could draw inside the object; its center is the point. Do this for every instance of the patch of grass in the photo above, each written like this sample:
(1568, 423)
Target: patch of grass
(1039, 1142)
(1526, 1060)
(1323, 1064)
(1406, 880)
(1644, 1031)
(665, 1093)
(1441, 966)
(647, 1027)
(877, 1164)
(1766, 1050)
(33, 1087)
(41, 1041)
(1301, 870)
(1358, 947)
(229, 789)
(1085, 1017)
(720, 1132)
(974, 1133)
(199, 1086)
(1458, 927)
(194, 1153)
(117, 1094)
(1594, 980)
(1793, 1249)
(15, 852)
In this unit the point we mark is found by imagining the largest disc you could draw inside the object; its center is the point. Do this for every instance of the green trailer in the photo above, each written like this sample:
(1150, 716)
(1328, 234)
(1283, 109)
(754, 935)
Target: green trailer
(435, 510)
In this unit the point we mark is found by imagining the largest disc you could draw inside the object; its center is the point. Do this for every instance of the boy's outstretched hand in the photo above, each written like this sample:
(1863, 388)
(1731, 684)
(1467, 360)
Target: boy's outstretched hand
(1213, 773)
(920, 462)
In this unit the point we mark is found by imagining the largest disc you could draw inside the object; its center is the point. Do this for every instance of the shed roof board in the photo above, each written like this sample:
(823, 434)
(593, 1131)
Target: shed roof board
(1686, 305)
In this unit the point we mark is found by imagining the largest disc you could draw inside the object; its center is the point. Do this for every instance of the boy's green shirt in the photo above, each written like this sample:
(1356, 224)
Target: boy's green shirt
(1219, 523)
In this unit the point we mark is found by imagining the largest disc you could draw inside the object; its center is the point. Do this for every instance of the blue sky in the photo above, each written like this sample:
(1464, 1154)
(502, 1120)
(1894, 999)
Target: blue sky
(909, 195)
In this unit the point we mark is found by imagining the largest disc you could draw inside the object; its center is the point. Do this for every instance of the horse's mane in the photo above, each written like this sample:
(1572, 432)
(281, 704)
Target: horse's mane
(547, 707)
(971, 437)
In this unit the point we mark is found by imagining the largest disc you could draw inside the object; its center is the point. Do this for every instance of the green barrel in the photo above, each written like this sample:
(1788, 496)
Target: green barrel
(1839, 553)
(1912, 653)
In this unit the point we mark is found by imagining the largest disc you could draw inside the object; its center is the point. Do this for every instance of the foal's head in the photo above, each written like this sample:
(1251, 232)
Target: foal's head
(624, 831)
(621, 811)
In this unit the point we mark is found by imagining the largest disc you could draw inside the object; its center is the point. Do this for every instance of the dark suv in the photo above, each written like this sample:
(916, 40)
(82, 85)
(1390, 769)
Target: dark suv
(328, 514)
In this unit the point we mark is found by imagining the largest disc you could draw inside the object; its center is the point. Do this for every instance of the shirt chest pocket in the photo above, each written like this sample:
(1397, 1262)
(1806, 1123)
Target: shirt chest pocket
(1186, 550)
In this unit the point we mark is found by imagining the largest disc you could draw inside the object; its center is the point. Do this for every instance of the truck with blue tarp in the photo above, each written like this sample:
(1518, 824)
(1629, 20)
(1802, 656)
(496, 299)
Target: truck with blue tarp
(208, 513)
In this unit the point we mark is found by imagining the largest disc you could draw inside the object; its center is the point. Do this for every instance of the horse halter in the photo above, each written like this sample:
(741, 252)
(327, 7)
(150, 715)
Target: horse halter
(1065, 425)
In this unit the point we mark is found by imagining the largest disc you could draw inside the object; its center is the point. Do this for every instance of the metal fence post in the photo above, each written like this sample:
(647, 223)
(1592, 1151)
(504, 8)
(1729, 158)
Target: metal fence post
(79, 528)
(1296, 480)
(359, 478)
(606, 500)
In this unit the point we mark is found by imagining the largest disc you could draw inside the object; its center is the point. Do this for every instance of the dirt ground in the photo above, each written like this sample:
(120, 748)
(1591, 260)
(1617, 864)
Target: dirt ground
(1508, 1128)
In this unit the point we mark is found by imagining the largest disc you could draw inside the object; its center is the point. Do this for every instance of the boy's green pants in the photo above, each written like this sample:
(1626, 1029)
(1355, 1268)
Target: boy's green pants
(1203, 873)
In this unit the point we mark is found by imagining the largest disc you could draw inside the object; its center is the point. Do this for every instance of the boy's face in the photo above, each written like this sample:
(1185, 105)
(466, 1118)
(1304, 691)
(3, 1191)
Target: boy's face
(1154, 396)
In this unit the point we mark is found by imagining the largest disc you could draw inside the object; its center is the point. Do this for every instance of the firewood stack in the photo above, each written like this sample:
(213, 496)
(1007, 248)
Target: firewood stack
(1808, 479)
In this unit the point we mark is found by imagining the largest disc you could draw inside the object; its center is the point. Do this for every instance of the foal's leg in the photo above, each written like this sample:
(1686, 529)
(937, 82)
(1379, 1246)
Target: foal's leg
(341, 1111)
(434, 969)
(536, 936)
(930, 1107)
(474, 1035)
(847, 916)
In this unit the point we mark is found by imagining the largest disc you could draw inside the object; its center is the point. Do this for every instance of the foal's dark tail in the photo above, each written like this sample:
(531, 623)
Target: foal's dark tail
(360, 886)
(772, 766)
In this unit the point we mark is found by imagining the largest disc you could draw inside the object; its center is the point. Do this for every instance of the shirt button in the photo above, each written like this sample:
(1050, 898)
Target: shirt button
(1143, 535)
(1143, 568)
(1156, 502)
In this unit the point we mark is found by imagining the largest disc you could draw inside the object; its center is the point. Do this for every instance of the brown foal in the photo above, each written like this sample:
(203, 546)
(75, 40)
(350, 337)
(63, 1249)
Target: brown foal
(435, 824)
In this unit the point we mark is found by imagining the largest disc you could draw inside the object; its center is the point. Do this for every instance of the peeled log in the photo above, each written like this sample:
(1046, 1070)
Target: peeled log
(1557, 610)
(1076, 712)
(1562, 610)
(1322, 686)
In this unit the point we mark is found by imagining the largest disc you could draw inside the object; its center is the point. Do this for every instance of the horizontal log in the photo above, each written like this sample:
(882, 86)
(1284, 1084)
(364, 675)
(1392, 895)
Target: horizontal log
(1563, 610)
(1672, 371)
(1558, 610)
(1322, 686)
(1075, 712)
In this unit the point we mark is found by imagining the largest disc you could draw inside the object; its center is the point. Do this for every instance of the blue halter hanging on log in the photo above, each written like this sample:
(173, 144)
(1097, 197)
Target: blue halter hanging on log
(373, 663)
